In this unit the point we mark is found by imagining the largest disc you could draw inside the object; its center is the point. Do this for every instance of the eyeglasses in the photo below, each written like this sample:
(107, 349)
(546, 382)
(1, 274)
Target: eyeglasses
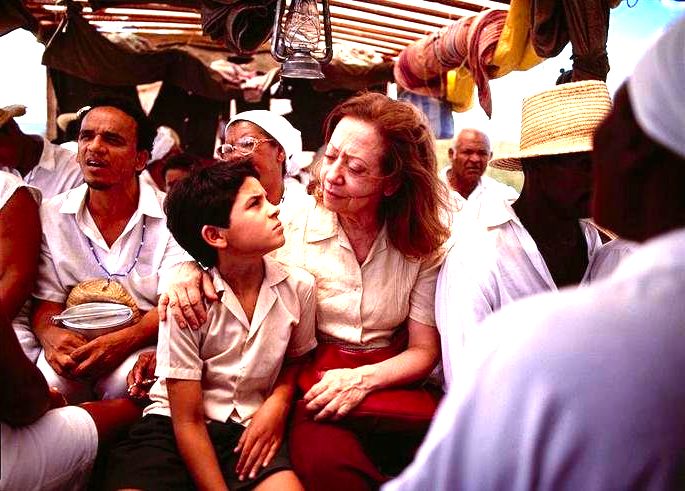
(244, 146)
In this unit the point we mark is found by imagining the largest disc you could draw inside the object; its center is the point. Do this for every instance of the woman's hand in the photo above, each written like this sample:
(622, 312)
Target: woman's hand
(261, 439)
(337, 393)
(186, 291)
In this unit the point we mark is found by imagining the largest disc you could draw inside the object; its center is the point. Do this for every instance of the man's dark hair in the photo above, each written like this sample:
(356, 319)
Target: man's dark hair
(145, 131)
(205, 197)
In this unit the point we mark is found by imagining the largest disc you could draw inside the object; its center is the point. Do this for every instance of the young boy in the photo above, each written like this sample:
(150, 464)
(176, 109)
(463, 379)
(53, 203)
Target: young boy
(219, 407)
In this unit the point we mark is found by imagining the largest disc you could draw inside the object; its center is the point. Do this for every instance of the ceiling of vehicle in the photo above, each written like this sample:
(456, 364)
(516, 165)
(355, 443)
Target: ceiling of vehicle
(387, 26)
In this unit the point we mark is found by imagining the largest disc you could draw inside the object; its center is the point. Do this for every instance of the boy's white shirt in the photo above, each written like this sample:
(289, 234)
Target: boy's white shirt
(238, 361)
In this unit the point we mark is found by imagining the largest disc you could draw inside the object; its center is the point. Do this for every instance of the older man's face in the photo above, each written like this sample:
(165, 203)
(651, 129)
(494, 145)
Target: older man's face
(107, 148)
(469, 156)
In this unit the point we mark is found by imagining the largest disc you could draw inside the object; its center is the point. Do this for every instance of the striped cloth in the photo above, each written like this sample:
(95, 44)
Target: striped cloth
(469, 42)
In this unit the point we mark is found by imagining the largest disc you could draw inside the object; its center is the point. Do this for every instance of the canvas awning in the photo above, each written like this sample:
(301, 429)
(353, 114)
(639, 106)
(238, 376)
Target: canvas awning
(387, 26)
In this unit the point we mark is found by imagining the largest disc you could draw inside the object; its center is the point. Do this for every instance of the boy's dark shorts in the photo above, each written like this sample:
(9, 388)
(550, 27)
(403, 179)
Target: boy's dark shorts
(149, 459)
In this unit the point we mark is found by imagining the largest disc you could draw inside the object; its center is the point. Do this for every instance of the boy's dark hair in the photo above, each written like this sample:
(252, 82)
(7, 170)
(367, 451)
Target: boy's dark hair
(145, 131)
(183, 161)
(205, 197)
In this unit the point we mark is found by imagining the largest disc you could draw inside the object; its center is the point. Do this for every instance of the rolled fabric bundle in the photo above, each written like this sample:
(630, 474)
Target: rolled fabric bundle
(425, 62)
(408, 79)
(469, 43)
(420, 70)
(452, 49)
(483, 35)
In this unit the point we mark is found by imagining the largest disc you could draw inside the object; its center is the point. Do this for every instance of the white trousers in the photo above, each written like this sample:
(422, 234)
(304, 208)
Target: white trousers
(54, 453)
(110, 386)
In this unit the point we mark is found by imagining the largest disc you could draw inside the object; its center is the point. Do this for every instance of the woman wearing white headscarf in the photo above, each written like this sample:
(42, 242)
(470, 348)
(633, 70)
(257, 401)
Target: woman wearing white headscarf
(273, 144)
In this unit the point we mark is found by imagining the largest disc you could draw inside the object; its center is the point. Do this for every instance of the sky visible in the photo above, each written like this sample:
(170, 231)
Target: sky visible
(631, 31)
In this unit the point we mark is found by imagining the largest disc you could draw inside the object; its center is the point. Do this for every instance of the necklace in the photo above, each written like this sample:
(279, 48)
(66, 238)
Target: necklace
(135, 259)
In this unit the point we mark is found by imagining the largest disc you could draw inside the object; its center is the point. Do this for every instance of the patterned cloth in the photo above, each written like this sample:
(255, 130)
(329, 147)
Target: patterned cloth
(438, 112)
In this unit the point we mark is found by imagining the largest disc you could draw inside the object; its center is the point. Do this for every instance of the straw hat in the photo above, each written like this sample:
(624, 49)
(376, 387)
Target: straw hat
(9, 112)
(558, 121)
(103, 290)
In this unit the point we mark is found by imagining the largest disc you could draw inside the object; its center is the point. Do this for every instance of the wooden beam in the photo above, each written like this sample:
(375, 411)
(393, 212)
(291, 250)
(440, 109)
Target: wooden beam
(366, 40)
(475, 5)
(364, 10)
(387, 52)
(382, 21)
(370, 35)
(135, 19)
(125, 24)
(428, 8)
(395, 33)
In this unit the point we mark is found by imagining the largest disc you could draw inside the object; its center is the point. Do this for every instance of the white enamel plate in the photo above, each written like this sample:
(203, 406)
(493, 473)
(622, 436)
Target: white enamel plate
(95, 315)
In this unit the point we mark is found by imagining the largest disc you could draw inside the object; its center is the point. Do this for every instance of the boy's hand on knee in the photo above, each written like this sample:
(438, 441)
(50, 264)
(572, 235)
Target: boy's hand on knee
(261, 440)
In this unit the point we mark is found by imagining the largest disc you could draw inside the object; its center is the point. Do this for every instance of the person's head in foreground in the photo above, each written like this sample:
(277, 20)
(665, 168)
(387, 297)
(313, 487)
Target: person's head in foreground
(114, 143)
(557, 128)
(639, 157)
(222, 211)
(13, 141)
(270, 140)
(469, 155)
(587, 394)
(379, 165)
(179, 167)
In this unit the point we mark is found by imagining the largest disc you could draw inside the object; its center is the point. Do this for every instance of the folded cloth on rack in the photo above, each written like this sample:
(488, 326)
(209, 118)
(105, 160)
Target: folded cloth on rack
(583, 22)
(467, 43)
(482, 39)
(419, 70)
(14, 15)
(515, 50)
(243, 25)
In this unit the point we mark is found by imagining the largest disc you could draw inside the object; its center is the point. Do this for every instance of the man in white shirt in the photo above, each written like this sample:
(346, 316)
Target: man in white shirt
(537, 244)
(587, 392)
(113, 228)
(49, 167)
(469, 156)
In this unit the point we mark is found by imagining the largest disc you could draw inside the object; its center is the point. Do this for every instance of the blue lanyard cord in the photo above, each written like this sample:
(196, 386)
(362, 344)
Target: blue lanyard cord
(135, 259)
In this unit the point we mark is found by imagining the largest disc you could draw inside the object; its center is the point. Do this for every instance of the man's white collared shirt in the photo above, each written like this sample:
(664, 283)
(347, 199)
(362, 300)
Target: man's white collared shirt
(486, 189)
(493, 261)
(66, 258)
(57, 171)
(586, 393)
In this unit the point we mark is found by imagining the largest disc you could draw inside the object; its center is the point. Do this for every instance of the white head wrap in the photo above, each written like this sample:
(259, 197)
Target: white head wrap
(656, 90)
(165, 139)
(280, 130)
